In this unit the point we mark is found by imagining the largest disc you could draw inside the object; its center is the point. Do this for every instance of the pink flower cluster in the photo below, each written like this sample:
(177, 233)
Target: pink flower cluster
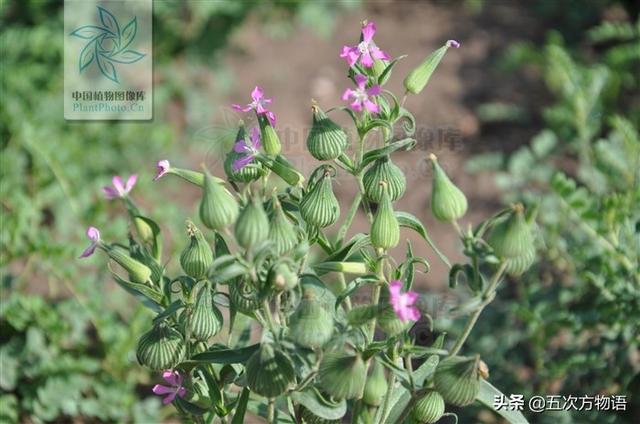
(403, 303)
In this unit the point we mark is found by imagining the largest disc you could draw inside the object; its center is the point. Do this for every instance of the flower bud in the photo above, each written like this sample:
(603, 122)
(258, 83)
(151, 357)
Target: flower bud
(448, 202)
(384, 170)
(416, 80)
(429, 408)
(310, 325)
(269, 137)
(244, 297)
(385, 230)
(269, 371)
(281, 230)
(512, 237)
(218, 207)
(457, 379)
(341, 375)
(144, 230)
(138, 272)
(246, 174)
(161, 348)
(197, 256)
(319, 206)
(282, 278)
(326, 140)
(206, 319)
(376, 386)
(252, 226)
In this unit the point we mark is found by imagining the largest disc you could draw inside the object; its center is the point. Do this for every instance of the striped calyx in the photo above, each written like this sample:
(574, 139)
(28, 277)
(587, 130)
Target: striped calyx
(310, 325)
(269, 371)
(342, 375)
(138, 272)
(326, 140)
(197, 256)
(457, 379)
(218, 207)
(248, 173)
(448, 202)
(319, 206)
(244, 297)
(384, 170)
(376, 385)
(429, 408)
(161, 348)
(309, 417)
(385, 230)
(512, 238)
(206, 319)
(281, 230)
(252, 226)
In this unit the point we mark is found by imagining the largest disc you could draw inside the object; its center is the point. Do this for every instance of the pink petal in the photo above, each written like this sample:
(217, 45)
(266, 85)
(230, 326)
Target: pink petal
(240, 163)
(117, 183)
(257, 93)
(130, 183)
(89, 251)
(242, 108)
(94, 234)
(361, 80)
(260, 109)
(347, 94)
(240, 147)
(371, 107)
(368, 31)
(162, 167)
(171, 377)
(410, 297)
(271, 117)
(255, 138)
(366, 59)
(394, 287)
(378, 54)
(110, 193)
(167, 400)
(350, 54)
(182, 391)
(453, 43)
(159, 389)
(374, 91)
(356, 105)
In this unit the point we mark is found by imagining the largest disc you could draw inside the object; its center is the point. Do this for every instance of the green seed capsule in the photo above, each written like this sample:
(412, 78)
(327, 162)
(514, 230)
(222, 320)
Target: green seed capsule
(417, 79)
(429, 408)
(384, 170)
(282, 231)
(448, 202)
(206, 319)
(269, 371)
(161, 348)
(376, 386)
(243, 296)
(218, 207)
(309, 418)
(512, 237)
(310, 325)
(519, 264)
(247, 173)
(282, 278)
(252, 226)
(138, 272)
(342, 376)
(326, 140)
(197, 257)
(457, 379)
(389, 322)
(385, 230)
(319, 207)
(269, 137)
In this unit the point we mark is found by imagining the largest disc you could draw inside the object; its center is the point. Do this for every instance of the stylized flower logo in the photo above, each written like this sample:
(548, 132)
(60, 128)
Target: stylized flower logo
(107, 44)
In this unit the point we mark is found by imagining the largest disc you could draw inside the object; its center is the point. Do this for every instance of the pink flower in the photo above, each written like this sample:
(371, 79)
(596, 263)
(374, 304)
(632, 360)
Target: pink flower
(163, 167)
(249, 148)
(453, 43)
(403, 302)
(361, 95)
(94, 235)
(119, 189)
(258, 104)
(366, 50)
(175, 380)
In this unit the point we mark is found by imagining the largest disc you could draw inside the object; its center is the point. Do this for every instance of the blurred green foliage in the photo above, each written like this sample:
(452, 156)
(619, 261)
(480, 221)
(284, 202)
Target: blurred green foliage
(570, 325)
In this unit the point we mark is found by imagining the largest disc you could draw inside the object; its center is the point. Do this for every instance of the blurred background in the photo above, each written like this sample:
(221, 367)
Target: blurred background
(541, 104)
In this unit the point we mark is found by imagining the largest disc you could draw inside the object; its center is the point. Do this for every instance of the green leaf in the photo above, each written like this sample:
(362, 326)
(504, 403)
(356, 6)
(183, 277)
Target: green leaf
(357, 268)
(384, 76)
(319, 406)
(370, 156)
(171, 309)
(225, 355)
(241, 408)
(149, 297)
(282, 168)
(407, 220)
(357, 242)
(487, 395)
(353, 286)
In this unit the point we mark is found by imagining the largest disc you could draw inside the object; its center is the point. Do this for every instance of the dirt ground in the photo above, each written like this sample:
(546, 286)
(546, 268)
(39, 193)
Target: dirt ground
(304, 66)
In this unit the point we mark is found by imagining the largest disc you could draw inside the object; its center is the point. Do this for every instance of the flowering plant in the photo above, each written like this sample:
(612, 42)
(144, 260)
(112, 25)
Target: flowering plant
(262, 256)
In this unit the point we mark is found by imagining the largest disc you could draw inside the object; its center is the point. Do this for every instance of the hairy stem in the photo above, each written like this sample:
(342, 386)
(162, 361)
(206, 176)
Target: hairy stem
(353, 210)
(391, 381)
(271, 411)
(487, 297)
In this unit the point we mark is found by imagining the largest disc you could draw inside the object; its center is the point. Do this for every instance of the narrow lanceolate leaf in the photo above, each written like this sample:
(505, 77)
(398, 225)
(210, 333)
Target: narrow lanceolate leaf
(408, 220)
(321, 407)
(372, 155)
(241, 408)
(487, 395)
(225, 356)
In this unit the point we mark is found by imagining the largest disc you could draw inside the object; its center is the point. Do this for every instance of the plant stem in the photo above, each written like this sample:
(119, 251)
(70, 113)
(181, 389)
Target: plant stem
(353, 210)
(271, 411)
(391, 381)
(267, 312)
(487, 297)
(343, 286)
